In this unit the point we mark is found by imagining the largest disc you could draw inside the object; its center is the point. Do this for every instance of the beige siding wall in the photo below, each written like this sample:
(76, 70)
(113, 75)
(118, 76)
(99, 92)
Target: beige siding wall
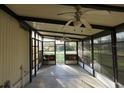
(14, 50)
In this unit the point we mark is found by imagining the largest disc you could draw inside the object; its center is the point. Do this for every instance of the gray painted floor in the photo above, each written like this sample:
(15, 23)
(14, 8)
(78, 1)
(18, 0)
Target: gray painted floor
(64, 76)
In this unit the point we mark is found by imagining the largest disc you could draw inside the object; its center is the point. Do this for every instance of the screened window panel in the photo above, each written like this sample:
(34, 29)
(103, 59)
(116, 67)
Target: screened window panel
(87, 52)
(49, 52)
(33, 56)
(48, 39)
(40, 46)
(37, 49)
(33, 64)
(49, 48)
(33, 50)
(40, 38)
(71, 48)
(33, 42)
(120, 56)
(36, 56)
(71, 53)
(37, 36)
(97, 57)
(33, 34)
(36, 61)
(80, 51)
(37, 43)
(103, 62)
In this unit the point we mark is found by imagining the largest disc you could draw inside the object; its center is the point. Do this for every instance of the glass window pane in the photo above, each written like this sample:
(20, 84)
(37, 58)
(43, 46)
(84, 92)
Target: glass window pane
(36, 56)
(103, 56)
(48, 39)
(33, 42)
(33, 48)
(106, 39)
(33, 57)
(87, 52)
(59, 42)
(40, 46)
(71, 48)
(120, 56)
(36, 49)
(33, 34)
(48, 52)
(36, 42)
(71, 53)
(40, 38)
(37, 36)
(80, 51)
(48, 47)
(106, 56)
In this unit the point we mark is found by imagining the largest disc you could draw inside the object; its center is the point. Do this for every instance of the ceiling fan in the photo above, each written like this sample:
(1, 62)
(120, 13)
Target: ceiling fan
(64, 38)
(79, 18)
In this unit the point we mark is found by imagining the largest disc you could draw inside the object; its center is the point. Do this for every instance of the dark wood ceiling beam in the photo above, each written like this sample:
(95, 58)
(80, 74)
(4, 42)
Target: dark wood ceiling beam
(44, 20)
(9, 11)
(100, 7)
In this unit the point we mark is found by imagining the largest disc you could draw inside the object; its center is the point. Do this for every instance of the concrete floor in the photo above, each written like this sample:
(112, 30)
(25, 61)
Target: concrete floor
(64, 76)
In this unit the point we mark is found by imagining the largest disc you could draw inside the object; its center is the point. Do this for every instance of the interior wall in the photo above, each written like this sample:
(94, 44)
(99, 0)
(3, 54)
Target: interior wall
(14, 52)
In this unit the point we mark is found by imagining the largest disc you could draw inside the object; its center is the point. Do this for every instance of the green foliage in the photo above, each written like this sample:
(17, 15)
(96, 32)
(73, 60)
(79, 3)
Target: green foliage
(71, 46)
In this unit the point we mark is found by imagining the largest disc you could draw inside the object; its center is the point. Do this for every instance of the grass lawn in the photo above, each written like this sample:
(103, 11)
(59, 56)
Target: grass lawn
(60, 57)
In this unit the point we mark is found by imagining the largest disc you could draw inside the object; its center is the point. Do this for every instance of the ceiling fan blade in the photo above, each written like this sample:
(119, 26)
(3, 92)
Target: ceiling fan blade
(86, 24)
(65, 13)
(103, 12)
(67, 24)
